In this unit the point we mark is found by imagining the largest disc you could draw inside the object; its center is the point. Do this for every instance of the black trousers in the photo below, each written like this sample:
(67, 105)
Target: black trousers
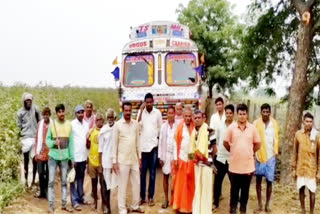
(240, 183)
(43, 177)
(222, 170)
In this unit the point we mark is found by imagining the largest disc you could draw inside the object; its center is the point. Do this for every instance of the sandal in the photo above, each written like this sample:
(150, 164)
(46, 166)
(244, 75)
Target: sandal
(165, 205)
(138, 210)
(67, 209)
(151, 203)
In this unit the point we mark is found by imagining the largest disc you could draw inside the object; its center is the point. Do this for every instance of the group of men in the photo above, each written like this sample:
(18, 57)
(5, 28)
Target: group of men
(73, 146)
(197, 156)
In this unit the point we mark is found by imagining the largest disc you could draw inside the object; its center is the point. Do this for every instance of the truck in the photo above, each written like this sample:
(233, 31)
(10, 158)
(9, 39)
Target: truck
(160, 58)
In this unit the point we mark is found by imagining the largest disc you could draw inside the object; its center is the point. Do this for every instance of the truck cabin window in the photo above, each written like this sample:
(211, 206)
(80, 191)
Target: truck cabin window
(138, 70)
(180, 69)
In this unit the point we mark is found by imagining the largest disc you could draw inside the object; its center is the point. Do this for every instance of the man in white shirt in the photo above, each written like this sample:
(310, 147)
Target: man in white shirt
(219, 116)
(150, 120)
(126, 158)
(105, 159)
(80, 130)
(222, 160)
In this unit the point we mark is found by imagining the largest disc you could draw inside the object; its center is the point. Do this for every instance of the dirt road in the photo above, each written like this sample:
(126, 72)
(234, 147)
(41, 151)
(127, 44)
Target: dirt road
(285, 201)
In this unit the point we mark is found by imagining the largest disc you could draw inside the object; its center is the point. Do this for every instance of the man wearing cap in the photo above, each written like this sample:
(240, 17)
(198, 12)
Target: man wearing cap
(27, 121)
(80, 130)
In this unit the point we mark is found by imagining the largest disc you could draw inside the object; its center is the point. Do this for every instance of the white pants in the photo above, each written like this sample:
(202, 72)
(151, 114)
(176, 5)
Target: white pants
(110, 178)
(128, 172)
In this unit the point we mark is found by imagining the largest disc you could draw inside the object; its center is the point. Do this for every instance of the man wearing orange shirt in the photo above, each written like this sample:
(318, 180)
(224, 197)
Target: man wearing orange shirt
(242, 141)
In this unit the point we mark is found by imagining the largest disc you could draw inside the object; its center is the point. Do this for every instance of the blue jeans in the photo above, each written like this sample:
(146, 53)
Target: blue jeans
(149, 161)
(52, 165)
(77, 185)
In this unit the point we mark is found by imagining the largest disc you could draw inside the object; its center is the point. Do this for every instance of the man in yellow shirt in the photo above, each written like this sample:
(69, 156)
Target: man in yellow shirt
(305, 161)
(94, 163)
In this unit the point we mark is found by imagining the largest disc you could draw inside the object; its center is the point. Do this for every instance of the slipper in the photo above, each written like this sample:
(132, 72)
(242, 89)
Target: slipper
(77, 207)
(165, 205)
(138, 210)
(142, 202)
(151, 203)
(67, 209)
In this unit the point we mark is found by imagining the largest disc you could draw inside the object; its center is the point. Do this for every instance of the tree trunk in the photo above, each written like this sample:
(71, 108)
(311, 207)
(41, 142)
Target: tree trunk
(297, 98)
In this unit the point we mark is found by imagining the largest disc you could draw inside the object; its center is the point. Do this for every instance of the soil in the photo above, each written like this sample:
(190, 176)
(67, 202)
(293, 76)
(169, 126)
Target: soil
(284, 200)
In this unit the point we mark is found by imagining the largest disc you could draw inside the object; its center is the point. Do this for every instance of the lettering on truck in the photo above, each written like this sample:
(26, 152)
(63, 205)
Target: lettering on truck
(138, 45)
(180, 44)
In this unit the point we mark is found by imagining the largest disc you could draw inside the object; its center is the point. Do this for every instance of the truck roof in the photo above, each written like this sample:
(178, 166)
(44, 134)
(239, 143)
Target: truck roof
(160, 36)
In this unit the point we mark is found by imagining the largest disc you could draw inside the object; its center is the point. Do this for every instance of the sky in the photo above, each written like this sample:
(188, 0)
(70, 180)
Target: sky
(73, 42)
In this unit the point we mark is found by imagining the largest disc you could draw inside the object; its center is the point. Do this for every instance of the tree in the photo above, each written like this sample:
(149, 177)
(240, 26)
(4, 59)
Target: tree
(284, 39)
(217, 34)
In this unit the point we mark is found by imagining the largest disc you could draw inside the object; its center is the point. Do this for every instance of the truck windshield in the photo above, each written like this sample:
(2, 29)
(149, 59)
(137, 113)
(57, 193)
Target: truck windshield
(138, 70)
(180, 69)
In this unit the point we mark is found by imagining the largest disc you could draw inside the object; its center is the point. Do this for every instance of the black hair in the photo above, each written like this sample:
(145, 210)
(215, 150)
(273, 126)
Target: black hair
(198, 112)
(219, 99)
(171, 107)
(242, 107)
(60, 107)
(46, 110)
(265, 106)
(148, 95)
(307, 115)
(126, 104)
(230, 107)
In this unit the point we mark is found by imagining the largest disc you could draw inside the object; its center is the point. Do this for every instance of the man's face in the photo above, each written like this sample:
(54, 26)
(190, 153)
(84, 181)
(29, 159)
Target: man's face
(89, 109)
(178, 110)
(220, 106)
(79, 115)
(110, 119)
(46, 117)
(242, 116)
(61, 114)
(198, 120)
(229, 115)
(187, 116)
(170, 114)
(28, 104)
(127, 110)
(99, 122)
(149, 104)
(265, 114)
(308, 123)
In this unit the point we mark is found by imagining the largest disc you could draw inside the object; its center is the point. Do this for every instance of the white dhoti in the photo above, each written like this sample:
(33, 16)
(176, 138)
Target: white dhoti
(28, 146)
(166, 169)
(310, 183)
(202, 201)
(110, 178)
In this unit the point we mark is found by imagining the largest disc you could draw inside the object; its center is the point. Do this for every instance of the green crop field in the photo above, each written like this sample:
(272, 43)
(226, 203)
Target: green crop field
(10, 149)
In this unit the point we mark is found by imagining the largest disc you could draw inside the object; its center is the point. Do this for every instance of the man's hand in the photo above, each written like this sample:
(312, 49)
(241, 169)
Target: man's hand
(140, 164)
(214, 169)
(294, 175)
(72, 165)
(100, 170)
(116, 168)
(161, 163)
(57, 143)
(143, 105)
(88, 144)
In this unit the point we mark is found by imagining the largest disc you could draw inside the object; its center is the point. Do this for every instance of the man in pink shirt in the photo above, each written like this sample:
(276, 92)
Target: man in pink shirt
(242, 141)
